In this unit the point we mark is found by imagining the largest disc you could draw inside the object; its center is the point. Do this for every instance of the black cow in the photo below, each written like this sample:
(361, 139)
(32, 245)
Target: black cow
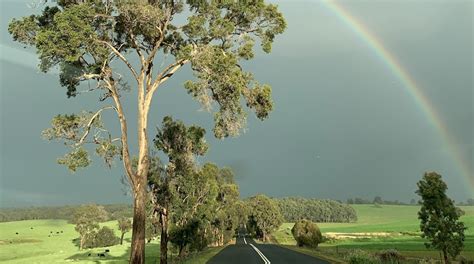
(16, 233)
(107, 250)
(57, 232)
(89, 254)
(101, 255)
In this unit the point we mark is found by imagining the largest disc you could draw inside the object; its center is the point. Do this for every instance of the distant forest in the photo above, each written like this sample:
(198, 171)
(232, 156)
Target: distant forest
(115, 211)
(295, 208)
(292, 209)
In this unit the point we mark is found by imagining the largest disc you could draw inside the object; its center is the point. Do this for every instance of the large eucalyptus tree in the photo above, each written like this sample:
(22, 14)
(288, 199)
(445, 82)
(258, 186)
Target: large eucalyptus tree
(84, 38)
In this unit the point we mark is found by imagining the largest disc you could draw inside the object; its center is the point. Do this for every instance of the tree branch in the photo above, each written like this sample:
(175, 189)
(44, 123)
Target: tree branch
(89, 124)
(161, 78)
(116, 52)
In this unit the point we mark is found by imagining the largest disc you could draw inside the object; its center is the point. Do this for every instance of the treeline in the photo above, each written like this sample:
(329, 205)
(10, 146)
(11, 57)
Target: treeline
(295, 208)
(114, 212)
(378, 200)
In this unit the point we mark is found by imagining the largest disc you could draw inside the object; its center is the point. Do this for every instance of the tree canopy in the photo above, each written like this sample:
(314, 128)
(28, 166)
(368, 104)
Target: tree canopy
(439, 217)
(84, 39)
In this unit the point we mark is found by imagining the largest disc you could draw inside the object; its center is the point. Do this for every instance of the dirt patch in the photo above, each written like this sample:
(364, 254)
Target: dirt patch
(336, 235)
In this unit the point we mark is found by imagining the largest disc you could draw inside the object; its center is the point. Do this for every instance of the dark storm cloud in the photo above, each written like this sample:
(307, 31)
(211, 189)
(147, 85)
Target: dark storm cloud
(343, 125)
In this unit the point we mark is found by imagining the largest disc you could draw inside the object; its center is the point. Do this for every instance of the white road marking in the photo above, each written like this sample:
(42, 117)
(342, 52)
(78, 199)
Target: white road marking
(245, 241)
(265, 260)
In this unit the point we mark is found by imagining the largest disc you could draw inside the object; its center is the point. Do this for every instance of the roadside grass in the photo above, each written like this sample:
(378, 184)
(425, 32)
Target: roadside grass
(45, 243)
(399, 221)
(203, 256)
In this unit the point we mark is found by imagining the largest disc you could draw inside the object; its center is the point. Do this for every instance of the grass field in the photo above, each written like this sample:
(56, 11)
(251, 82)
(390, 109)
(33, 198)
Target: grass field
(400, 222)
(34, 245)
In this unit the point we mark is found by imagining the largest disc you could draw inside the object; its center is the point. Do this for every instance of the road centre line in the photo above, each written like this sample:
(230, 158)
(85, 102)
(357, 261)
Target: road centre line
(265, 260)
(245, 241)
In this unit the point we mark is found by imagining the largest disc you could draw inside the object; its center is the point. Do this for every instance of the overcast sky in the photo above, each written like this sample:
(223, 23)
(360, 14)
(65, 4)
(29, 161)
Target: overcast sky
(343, 125)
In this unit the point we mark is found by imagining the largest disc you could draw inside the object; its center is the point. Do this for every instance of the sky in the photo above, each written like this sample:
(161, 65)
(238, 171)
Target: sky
(344, 125)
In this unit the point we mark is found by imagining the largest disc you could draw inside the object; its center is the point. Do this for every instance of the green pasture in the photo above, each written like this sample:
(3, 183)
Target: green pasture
(399, 220)
(39, 245)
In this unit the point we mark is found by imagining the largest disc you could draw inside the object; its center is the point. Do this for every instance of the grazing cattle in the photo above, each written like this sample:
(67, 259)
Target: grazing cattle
(101, 255)
(51, 232)
(16, 233)
(89, 254)
(57, 232)
(107, 250)
(31, 227)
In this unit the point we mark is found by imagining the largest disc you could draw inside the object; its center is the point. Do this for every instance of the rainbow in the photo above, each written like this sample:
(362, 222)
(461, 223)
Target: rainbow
(409, 85)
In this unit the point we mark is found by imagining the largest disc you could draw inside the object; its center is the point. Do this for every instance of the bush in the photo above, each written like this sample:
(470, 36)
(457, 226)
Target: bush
(463, 260)
(390, 256)
(361, 257)
(106, 237)
(306, 233)
(103, 238)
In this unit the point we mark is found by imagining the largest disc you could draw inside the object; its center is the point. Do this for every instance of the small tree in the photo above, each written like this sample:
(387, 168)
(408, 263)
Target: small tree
(106, 237)
(87, 218)
(307, 233)
(439, 217)
(264, 217)
(378, 200)
(124, 225)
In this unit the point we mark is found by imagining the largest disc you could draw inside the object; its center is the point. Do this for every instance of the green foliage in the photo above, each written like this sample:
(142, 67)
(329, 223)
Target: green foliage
(124, 224)
(321, 211)
(390, 256)
(87, 218)
(439, 217)
(91, 212)
(361, 257)
(264, 216)
(307, 233)
(187, 234)
(71, 130)
(106, 237)
(77, 158)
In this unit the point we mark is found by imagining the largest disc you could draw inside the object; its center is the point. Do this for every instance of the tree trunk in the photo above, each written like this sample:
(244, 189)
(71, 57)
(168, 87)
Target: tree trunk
(445, 256)
(137, 255)
(81, 243)
(121, 238)
(164, 237)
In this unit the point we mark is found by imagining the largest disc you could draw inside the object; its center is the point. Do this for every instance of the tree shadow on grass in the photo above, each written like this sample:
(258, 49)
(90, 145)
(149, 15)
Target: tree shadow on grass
(94, 256)
(152, 253)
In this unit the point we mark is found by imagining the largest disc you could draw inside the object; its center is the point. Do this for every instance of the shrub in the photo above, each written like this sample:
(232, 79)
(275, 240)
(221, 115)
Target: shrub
(390, 256)
(103, 238)
(106, 237)
(306, 233)
(361, 257)
(463, 260)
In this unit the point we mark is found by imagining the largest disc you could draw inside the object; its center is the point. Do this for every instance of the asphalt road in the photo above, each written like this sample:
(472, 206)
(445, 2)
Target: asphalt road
(246, 251)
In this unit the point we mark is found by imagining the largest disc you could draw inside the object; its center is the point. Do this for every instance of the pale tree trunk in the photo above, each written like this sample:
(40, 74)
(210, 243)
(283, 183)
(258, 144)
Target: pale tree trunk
(81, 244)
(137, 255)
